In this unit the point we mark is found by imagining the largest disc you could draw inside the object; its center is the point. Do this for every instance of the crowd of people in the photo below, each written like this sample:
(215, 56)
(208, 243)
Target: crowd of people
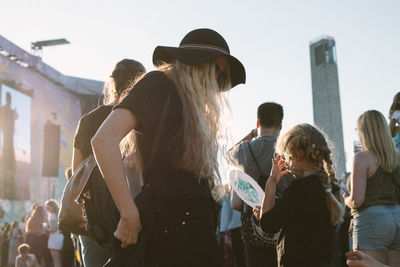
(156, 197)
(36, 240)
(318, 218)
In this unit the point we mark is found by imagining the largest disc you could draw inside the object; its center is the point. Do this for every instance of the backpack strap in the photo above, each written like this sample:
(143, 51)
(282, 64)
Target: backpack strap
(254, 158)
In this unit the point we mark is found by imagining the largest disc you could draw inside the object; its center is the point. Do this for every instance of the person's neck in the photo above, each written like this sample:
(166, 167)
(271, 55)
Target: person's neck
(308, 169)
(268, 131)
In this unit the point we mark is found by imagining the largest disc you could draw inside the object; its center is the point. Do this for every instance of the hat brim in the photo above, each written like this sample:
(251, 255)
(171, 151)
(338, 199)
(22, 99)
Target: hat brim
(190, 56)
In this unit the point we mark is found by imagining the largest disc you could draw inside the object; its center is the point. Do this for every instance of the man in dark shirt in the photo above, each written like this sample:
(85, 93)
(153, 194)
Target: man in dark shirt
(253, 155)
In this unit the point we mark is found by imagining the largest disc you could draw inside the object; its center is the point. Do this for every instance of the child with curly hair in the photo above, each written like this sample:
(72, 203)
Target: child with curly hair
(312, 204)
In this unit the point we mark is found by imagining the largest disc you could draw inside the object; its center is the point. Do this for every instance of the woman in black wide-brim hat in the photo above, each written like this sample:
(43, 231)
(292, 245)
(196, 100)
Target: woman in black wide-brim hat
(175, 115)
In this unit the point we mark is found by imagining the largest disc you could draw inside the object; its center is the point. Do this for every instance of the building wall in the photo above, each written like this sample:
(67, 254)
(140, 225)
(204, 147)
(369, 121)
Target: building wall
(326, 102)
(48, 96)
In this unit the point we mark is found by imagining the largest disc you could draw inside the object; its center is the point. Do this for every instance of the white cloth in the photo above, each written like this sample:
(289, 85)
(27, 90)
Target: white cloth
(396, 115)
(55, 238)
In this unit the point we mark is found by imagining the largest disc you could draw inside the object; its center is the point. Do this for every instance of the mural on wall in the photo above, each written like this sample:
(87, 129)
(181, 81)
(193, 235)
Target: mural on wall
(15, 143)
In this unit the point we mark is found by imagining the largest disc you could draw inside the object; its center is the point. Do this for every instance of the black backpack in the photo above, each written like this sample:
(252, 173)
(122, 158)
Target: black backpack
(251, 230)
(102, 218)
(102, 215)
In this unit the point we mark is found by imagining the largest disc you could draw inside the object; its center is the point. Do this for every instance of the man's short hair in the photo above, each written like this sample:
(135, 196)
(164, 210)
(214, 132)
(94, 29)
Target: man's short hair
(270, 115)
(23, 248)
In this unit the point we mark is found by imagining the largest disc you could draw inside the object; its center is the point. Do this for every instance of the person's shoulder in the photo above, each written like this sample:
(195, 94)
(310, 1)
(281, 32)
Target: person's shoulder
(242, 146)
(265, 139)
(100, 110)
(153, 83)
(264, 142)
(364, 158)
(294, 187)
(305, 183)
(154, 77)
(363, 155)
(309, 181)
(308, 186)
(98, 114)
(155, 74)
(295, 183)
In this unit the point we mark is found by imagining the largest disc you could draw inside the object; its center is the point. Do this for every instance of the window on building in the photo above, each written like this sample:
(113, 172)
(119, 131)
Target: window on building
(320, 57)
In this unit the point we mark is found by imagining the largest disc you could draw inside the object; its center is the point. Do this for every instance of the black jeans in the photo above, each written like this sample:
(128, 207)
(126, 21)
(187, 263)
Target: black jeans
(185, 233)
(238, 247)
(260, 256)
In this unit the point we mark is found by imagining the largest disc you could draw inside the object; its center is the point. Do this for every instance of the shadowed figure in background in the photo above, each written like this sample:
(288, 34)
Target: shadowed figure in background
(124, 74)
(254, 155)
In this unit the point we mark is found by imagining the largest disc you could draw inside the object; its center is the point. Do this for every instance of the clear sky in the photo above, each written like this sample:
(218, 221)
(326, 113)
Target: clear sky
(271, 38)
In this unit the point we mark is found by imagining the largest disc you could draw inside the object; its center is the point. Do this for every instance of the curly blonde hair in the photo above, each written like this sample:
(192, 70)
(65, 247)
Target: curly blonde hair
(312, 142)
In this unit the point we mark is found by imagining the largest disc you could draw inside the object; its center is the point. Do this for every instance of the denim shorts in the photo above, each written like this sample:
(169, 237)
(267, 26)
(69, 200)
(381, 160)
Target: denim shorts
(377, 228)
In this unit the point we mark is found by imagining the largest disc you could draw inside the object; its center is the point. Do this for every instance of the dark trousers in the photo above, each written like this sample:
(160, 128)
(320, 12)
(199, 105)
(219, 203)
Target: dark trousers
(238, 248)
(260, 256)
(38, 244)
(67, 255)
(185, 234)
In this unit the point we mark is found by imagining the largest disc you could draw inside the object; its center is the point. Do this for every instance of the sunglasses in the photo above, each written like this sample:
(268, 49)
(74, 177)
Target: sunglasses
(221, 75)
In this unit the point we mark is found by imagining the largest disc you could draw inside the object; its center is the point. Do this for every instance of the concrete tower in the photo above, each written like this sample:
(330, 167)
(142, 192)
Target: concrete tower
(326, 97)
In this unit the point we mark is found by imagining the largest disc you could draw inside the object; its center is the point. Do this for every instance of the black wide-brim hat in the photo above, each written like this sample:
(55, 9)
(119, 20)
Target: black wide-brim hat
(199, 46)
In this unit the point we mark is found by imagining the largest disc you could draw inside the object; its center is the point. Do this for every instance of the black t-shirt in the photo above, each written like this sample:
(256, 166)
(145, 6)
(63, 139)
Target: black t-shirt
(87, 128)
(303, 216)
(156, 104)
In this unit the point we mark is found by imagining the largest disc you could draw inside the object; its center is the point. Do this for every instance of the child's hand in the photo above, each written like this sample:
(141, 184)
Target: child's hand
(278, 164)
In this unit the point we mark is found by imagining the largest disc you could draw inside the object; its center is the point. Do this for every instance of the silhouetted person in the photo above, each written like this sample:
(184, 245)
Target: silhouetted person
(8, 117)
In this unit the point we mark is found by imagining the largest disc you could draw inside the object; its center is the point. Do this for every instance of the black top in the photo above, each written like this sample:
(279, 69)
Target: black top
(380, 190)
(303, 215)
(87, 128)
(156, 104)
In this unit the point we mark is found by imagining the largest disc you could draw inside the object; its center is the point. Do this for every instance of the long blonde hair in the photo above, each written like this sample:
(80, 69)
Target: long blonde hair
(375, 137)
(203, 105)
(312, 142)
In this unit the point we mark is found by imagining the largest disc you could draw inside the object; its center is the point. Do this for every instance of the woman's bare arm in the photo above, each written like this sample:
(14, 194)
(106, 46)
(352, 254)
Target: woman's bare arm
(358, 180)
(108, 156)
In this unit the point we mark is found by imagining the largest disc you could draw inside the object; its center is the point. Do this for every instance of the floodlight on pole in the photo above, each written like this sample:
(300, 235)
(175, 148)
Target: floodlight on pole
(40, 44)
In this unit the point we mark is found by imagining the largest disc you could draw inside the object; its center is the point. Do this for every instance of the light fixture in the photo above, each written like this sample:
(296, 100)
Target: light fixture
(4, 53)
(40, 44)
(12, 57)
